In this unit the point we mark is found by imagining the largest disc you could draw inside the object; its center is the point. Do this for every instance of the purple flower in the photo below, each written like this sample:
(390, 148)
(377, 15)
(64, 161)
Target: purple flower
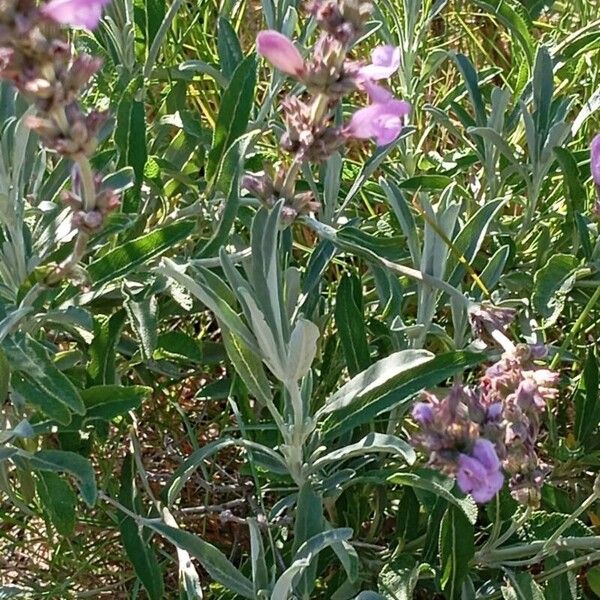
(377, 93)
(595, 164)
(479, 474)
(77, 13)
(385, 61)
(280, 52)
(422, 413)
(382, 121)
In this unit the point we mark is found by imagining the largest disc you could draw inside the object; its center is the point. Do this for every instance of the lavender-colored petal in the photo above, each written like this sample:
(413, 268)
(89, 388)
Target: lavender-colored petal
(492, 486)
(595, 162)
(422, 413)
(76, 13)
(280, 52)
(485, 452)
(377, 93)
(494, 411)
(475, 478)
(385, 62)
(471, 473)
(382, 122)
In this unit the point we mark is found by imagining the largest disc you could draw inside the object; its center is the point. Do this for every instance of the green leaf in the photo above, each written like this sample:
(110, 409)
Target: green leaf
(457, 548)
(398, 578)
(350, 321)
(36, 396)
(425, 182)
(309, 549)
(107, 333)
(4, 376)
(130, 138)
(234, 113)
(213, 301)
(515, 19)
(260, 573)
(211, 558)
(575, 192)
(551, 284)
(59, 501)
(467, 70)
(248, 366)
(40, 382)
(109, 401)
(142, 315)
(492, 272)
(228, 46)
(125, 258)
(284, 586)
(178, 346)
(387, 384)
(71, 463)
(137, 546)
(423, 480)
(371, 443)
(543, 90)
(593, 579)
(467, 243)
(189, 466)
(381, 374)
(521, 586)
(308, 523)
(563, 586)
(302, 348)
(227, 185)
(120, 180)
(587, 400)
(401, 207)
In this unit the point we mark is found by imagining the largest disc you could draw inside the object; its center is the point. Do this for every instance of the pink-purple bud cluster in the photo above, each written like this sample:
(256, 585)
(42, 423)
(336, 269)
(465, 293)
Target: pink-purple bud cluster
(477, 433)
(106, 202)
(37, 59)
(328, 75)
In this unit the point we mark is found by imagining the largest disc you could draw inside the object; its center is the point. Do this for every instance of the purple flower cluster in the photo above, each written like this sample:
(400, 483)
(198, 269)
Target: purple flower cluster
(328, 75)
(37, 59)
(476, 433)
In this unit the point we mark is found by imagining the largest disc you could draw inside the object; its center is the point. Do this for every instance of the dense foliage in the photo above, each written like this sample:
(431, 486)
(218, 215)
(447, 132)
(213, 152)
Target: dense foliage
(300, 300)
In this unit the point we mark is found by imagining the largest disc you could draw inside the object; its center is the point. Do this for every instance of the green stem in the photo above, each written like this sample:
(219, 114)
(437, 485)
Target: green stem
(71, 262)
(576, 327)
(87, 182)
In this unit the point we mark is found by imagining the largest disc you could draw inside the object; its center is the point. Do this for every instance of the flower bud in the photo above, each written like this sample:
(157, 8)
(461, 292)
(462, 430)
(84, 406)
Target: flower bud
(76, 13)
(280, 52)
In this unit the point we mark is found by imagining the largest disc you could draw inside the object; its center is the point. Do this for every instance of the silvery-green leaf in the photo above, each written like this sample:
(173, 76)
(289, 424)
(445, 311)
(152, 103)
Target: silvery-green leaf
(371, 443)
(267, 343)
(260, 574)
(284, 586)
(221, 309)
(377, 375)
(187, 572)
(302, 349)
(248, 366)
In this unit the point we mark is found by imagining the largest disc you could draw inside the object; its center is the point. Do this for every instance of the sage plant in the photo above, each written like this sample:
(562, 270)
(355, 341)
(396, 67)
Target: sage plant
(36, 57)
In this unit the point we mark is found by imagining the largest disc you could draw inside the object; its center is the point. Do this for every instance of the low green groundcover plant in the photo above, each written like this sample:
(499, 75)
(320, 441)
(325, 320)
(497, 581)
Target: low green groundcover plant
(300, 299)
